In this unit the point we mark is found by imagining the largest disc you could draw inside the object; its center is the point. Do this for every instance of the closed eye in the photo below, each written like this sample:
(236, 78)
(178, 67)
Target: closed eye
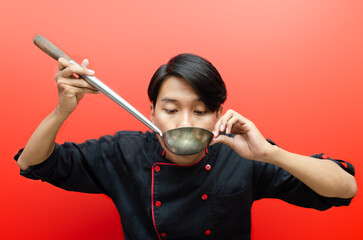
(200, 112)
(170, 111)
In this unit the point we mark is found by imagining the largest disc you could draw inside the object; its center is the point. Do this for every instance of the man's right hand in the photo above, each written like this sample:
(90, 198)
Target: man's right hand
(71, 88)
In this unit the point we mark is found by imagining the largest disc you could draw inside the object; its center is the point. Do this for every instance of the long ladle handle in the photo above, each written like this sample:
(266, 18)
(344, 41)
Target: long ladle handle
(52, 50)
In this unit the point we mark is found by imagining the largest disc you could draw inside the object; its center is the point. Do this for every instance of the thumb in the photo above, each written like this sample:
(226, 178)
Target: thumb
(223, 139)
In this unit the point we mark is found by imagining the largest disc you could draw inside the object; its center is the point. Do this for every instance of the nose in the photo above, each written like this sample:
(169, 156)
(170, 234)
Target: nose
(185, 120)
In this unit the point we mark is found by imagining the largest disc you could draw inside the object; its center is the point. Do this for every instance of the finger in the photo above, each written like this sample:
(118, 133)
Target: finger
(230, 123)
(224, 120)
(221, 124)
(71, 90)
(223, 139)
(85, 63)
(79, 83)
(217, 127)
(238, 128)
(92, 91)
(63, 63)
(73, 68)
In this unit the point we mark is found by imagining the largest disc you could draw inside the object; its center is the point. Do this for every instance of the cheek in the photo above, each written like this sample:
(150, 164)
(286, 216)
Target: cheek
(162, 122)
(208, 123)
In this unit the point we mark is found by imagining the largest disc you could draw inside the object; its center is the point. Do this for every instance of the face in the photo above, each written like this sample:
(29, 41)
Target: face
(178, 105)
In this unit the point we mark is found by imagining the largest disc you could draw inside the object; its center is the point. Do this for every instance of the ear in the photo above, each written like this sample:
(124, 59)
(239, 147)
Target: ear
(219, 112)
(152, 112)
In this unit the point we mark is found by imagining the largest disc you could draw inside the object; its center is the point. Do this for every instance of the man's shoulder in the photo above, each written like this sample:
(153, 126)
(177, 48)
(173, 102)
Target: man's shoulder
(136, 135)
(124, 139)
(130, 143)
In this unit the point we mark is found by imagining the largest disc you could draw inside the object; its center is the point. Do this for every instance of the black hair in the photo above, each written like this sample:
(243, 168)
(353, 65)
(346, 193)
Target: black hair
(198, 72)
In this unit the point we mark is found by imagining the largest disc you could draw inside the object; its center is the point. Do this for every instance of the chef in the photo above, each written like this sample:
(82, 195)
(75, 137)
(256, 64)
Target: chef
(160, 195)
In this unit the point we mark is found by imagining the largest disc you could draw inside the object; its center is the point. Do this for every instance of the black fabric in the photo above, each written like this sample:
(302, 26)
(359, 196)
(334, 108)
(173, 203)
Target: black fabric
(123, 168)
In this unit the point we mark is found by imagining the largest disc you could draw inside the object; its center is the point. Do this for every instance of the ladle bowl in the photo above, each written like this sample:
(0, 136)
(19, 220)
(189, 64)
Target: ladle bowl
(180, 141)
(187, 140)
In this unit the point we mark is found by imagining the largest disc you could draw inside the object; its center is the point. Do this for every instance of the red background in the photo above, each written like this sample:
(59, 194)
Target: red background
(293, 67)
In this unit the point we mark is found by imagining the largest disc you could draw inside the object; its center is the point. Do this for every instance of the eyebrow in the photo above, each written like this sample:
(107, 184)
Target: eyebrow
(167, 99)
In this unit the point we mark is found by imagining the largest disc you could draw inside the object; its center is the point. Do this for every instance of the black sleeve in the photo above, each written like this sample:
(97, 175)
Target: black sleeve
(271, 181)
(76, 167)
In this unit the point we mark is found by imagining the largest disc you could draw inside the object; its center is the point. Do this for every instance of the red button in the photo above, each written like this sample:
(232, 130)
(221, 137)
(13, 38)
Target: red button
(158, 203)
(157, 169)
(208, 167)
(324, 156)
(204, 196)
(163, 235)
(207, 232)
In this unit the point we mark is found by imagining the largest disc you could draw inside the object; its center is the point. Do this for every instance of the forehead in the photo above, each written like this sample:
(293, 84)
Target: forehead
(176, 88)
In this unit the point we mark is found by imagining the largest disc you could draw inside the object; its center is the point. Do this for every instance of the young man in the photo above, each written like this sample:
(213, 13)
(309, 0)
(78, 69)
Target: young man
(162, 195)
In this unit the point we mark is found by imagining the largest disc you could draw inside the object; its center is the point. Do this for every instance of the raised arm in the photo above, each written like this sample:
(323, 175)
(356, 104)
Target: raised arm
(71, 90)
(324, 176)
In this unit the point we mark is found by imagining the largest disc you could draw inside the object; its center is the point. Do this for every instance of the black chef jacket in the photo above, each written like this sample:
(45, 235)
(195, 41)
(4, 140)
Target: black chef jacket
(157, 199)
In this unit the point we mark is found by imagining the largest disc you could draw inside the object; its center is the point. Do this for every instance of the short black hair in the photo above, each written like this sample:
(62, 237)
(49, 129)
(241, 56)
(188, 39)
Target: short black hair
(198, 72)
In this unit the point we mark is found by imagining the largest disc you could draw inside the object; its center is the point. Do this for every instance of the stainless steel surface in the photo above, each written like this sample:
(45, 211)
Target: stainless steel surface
(119, 100)
(187, 140)
(180, 141)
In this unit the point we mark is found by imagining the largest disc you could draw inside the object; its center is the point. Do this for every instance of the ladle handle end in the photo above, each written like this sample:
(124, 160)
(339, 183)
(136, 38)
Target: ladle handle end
(49, 48)
(52, 50)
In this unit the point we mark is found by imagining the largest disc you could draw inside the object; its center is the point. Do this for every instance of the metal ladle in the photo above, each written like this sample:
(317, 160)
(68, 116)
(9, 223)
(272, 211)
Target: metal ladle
(180, 141)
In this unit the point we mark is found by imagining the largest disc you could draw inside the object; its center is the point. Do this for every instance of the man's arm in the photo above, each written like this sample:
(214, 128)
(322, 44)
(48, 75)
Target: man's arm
(323, 176)
(70, 90)
(41, 144)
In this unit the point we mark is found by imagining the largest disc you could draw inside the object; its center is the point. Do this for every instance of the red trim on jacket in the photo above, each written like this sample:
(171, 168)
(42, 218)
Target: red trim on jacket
(152, 184)
(152, 199)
